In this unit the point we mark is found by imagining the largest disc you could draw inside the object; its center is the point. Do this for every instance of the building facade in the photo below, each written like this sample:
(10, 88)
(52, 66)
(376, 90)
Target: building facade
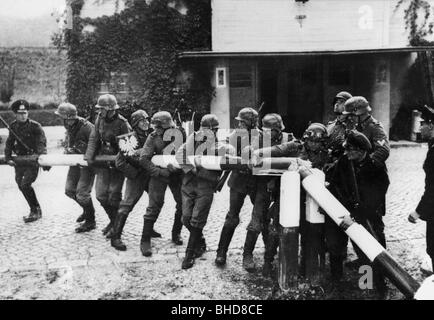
(293, 56)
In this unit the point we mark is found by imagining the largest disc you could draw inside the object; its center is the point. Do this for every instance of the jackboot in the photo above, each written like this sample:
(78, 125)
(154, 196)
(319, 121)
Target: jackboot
(225, 240)
(176, 230)
(89, 222)
(269, 254)
(249, 246)
(35, 214)
(336, 267)
(188, 261)
(200, 246)
(145, 242)
(111, 213)
(82, 217)
(118, 227)
(155, 234)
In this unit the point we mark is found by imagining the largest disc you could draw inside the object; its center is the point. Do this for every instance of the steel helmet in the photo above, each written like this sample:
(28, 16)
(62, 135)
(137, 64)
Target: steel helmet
(315, 132)
(249, 116)
(108, 102)
(209, 121)
(163, 119)
(357, 106)
(273, 121)
(138, 116)
(67, 111)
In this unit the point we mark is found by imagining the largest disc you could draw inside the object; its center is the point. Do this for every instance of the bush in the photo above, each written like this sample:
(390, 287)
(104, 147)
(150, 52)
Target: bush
(35, 106)
(46, 118)
(50, 106)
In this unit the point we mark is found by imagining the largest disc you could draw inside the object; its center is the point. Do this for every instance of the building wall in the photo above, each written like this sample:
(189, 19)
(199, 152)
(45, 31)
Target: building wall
(317, 25)
(40, 73)
(378, 77)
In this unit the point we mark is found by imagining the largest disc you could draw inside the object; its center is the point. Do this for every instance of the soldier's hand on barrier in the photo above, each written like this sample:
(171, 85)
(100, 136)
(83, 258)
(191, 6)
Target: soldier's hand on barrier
(11, 163)
(69, 151)
(171, 168)
(46, 168)
(347, 221)
(164, 173)
(413, 217)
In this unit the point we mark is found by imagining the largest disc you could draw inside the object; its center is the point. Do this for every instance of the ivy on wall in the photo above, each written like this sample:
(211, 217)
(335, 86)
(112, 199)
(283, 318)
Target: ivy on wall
(142, 41)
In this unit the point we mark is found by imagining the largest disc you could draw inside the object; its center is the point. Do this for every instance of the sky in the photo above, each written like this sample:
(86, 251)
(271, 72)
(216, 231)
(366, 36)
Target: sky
(28, 8)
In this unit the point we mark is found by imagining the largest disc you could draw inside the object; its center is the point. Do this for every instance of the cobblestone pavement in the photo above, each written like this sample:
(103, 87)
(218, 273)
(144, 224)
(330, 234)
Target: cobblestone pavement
(52, 242)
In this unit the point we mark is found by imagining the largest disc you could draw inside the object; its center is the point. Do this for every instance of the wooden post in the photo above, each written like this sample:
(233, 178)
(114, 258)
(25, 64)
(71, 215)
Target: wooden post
(289, 234)
(314, 250)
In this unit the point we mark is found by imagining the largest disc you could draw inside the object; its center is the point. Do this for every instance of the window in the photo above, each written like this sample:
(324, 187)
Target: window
(240, 77)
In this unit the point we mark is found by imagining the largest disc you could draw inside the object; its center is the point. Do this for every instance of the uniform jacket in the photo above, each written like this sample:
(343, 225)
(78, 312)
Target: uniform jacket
(374, 131)
(129, 165)
(336, 132)
(372, 184)
(425, 207)
(205, 179)
(241, 181)
(102, 140)
(77, 137)
(155, 145)
(31, 133)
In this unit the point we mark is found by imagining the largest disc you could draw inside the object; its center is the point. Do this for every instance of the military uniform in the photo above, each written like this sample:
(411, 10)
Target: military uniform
(198, 186)
(79, 181)
(260, 219)
(374, 131)
(366, 207)
(109, 181)
(161, 178)
(425, 208)
(33, 136)
(137, 179)
(336, 132)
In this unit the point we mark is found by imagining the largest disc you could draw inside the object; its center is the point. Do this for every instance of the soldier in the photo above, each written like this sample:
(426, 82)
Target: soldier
(79, 181)
(272, 127)
(198, 185)
(241, 183)
(313, 147)
(166, 139)
(137, 182)
(425, 208)
(336, 128)
(360, 185)
(109, 180)
(358, 115)
(26, 137)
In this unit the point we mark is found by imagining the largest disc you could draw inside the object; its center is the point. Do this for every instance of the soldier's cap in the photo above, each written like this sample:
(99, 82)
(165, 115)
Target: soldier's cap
(427, 114)
(20, 106)
(355, 104)
(343, 95)
(357, 140)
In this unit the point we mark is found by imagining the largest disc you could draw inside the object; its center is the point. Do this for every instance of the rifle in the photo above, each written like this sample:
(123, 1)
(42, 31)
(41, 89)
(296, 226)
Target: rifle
(367, 223)
(29, 150)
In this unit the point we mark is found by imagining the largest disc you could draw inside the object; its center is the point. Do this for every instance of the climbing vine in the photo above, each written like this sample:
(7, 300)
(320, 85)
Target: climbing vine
(142, 42)
(418, 20)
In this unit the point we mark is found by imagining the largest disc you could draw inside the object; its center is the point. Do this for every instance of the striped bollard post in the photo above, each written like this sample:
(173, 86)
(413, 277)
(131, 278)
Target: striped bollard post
(314, 251)
(289, 217)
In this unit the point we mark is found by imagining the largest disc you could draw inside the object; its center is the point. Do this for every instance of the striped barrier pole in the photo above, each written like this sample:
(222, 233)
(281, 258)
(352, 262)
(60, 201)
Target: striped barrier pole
(376, 253)
(289, 218)
(313, 237)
